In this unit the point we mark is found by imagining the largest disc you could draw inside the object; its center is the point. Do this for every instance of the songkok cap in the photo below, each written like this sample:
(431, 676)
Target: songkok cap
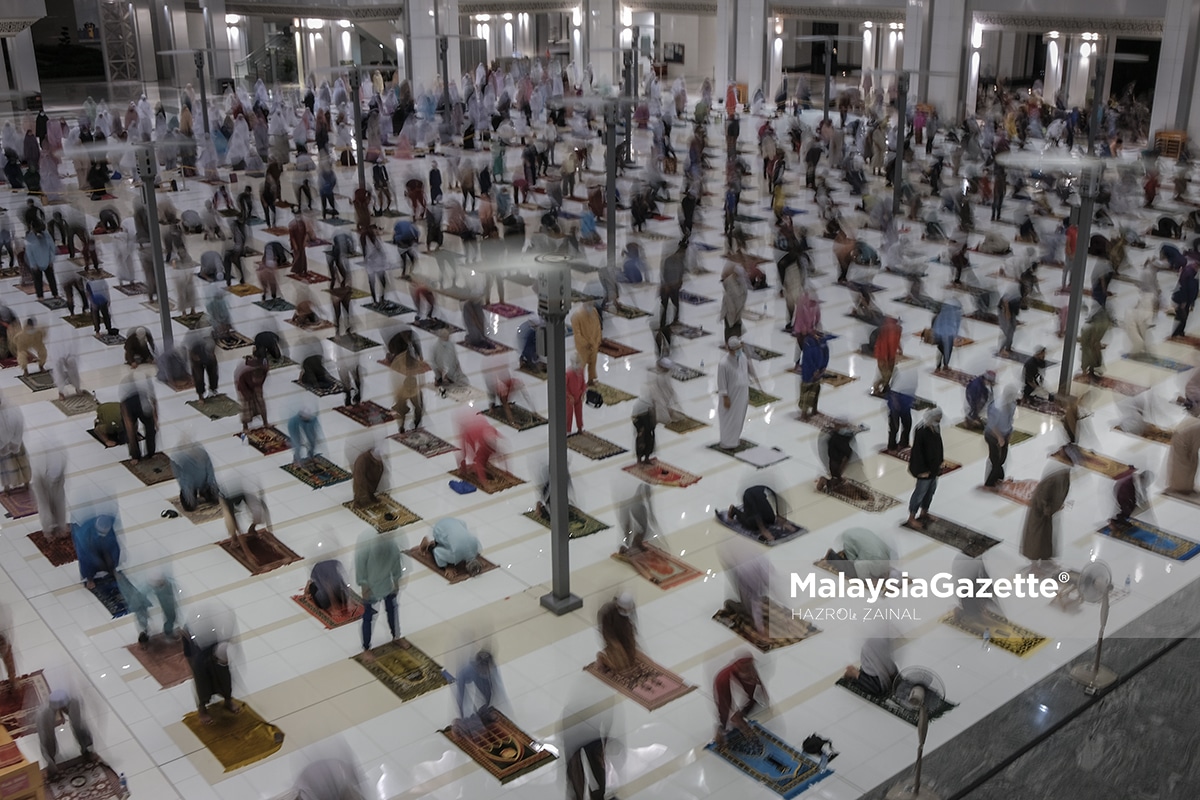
(59, 699)
(734, 343)
(625, 603)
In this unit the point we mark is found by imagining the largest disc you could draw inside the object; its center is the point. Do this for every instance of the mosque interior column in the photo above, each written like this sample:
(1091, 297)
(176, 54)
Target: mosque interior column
(725, 68)
(947, 43)
(1176, 91)
(916, 47)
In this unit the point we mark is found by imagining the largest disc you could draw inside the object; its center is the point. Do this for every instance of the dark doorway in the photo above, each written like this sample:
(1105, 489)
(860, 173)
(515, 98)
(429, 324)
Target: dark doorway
(818, 48)
(1136, 77)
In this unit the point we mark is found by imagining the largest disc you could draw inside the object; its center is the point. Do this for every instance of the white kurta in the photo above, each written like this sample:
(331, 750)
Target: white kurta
(733, 382)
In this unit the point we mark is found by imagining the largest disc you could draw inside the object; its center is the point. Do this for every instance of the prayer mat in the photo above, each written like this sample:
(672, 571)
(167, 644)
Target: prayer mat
(451, 574)
(367, 413)
(1150, 537)
(867, 351)
(355, 293)
(8, 362)
(337, 222)
(407, 671)
(1090, 459)
(748, 218)
(318, 472)
(1187, 497)
(192, 321)
(77, 404)
(266, 552)
(53, 303)
(151, 469)
(767, 759)
(956, 375)
(860, 287)
(1003, 634)
(236, 739)
(280, 363)
(506, 310)
(687, 331)
(1017, 357)
(755, 455)
(1112, 384)
(533, 370)
(1041, 405)
(579, 523)
(836, 379)
(888, 703)
(82, 778)
(319, 325)
(435, 325)
(658, 473)
(612, 395)
(926, 336)
(95, 436)
(217, 407)
(681, 373)
(19, 503)
(919, 403)
(1158, 361)
(39, 381)
(132, 289)
(10, 272)
(857, 494)
(497, 479)
(79, 320)
(389, 309)
(782, 530)
(522, 418)
(969, 542)
(694, 299)
(1190, 341)
(491, 348)
(276, 230)
(335, 616)
(200, 514)
(759, 353)
(1151, 433)
(163, 658)
(684, 424)
(275, 304)
(742, 445)
(354, 342)
(18, 709)
(648, 684)
(924, 302)
(233, 341)
(267, 440)
(645, 234)
(627, 312)
(658, 566)
(828, 423)
(501, 748)
(425, 442)
(759, 398)
(109, 595)
(57, 550)
(782, 629)
(323, 391)
(1016, 438)
(1040, 305)
(592, 446)
(615, 349)
(243, 290)
(384, 515)
(1018, 491)
(983, 316)
(905, 454)
(579, 297)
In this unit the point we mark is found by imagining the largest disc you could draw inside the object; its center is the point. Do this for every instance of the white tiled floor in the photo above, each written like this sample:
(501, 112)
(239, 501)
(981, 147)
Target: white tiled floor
(297, 673)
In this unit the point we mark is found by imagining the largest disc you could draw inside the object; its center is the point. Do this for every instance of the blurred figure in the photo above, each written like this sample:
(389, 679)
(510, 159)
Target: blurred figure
(1131, 492)
(253, 499)
(757, 513)
(501, 386)
(304, 429)
(66, 369)
(587, 729)
(877, 668)
(137, 598)
(618, 631)
(349, 368)
(49, 484)
(979, 394)
(887, 350)
(750, 575)
(742, 672)
(972, 610)
(197, 480)
(335, 777)
(60, 707)
(14, 459)
(1037, 535)
(998, 432)
(1033, 375)
(202, 356)
(637, 520)
(588, 331)
(96, 543)
(211, 674)
(837, 452)
(407, 367)
(28, 342)
(480, 443)
(249, 378)
(378, 568)
(367, 470)
(863, 555)
(576, 388)
(139, 347)
(6, 653)
(733, 389)
(447, 372)
(453, 547)
(327, 586)
(925, 464)
(945, 330)
(139, 405)
(477, 690)
(1184, 455)
(814, 359)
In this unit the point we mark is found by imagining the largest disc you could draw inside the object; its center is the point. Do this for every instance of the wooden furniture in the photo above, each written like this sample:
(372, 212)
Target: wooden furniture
(1170, 143)
(19, 779)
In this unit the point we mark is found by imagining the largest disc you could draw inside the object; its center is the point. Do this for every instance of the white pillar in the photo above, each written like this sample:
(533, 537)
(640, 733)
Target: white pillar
(725, 69)
(423, 46)
(752, 38)
(1081, 73)
(775, 77)
(947, 45)
(601, 18)
(1175, 92)
(23, 62)
(916, 48)
(870, 39)
(974, 64)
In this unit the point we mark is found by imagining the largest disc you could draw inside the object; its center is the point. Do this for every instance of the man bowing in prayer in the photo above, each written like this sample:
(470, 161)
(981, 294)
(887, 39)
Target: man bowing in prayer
(733, 387)
(1049, 496)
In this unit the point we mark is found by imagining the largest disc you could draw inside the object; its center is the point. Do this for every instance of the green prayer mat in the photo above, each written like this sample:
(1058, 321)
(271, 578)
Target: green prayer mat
(217, 407)
(579, 523)
(612, 395)
(151, 469)
(522, 418)
(759, 398)
(408, 672)
(685, 424)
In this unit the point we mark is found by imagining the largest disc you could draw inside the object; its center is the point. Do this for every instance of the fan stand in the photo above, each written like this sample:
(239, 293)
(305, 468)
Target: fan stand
(912, 790)
(1096, 677)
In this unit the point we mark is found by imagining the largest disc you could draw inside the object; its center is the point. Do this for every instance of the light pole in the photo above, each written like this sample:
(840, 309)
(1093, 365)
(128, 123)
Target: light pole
(356, 99)
(610, 187)
(901, 121)
(1089, 184)
(147, 167)
(203, 90)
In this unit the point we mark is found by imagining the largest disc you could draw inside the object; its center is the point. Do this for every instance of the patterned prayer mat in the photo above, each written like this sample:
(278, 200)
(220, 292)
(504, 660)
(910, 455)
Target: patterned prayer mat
(367, 413)
(611, 394)
(693, 299)
(19, 503)
(451, 574)
(132, 289)
(354, 342)
(647, 683)
(18, 709)
(266, 552)
(1151, 433)
(535, 370)
(522, 418)
(1112, 384)
(79, 320)
(1152, 538)
(335, 616)
(1040, 305)
(1016, 438)
(681, 373)
(1158, 361)
(1041, 405)
(759, 398)
(1090, 459)
(858, 495)
(866, 351)
(687, 331)
(579, 523)
(385, 514)
(234, 341)
(163, 658)
(81, 778)
(280, 363)
(319, 325)
(1018, 491)
(969, 542)
(956, 375)
(888, 704)
(217, 407)
(236, 739)
(200, 514)
(627, 312)
(491, 348)
(501, 748)
(497, 479)
(1004, 634)
(38, 381)
(275, 304)
(989, 317)
(615, 349)
(151, 469)
(425, 442)
(782, 530)
(756, 353)
(827, 423)
(1017, 357)
(1190, 341)
(657, 473)
(193, 321)
(318, 472)
(355, 293)
(767, 759)
(684, 424)
(58, 550)
(109, 595)
(435, 325)
(267, 440)
(658, 566)
(919, 403)
(309, 277)
(782, 630)
(323, 391)
(243, 290)
(836, 379)
(407, 671)
(926, 336)
(507, 310)
(593, 446)
(77, 404)
(388, 308)
(905, 454)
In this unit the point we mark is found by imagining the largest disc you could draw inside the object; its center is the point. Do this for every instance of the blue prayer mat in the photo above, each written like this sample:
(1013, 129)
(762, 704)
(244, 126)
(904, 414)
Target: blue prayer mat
(1158, 361)
(1148, 537)
(781, 768)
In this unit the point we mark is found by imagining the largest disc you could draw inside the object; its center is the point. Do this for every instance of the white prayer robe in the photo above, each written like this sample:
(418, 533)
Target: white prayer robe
(733, 382)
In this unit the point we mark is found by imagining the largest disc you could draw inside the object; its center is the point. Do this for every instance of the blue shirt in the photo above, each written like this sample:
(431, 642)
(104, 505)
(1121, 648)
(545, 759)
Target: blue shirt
(814, 357)
(40, 250)
(1000, 419)
(454, 544)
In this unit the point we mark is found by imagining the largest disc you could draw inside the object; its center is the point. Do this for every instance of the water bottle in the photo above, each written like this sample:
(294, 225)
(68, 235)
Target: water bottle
(1128, 581)
(824, 761)
(702, 363)
(987, 637)
(124, 784)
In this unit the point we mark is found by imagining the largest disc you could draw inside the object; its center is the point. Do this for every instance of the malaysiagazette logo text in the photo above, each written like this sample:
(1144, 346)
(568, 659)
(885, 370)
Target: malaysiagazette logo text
(942, 585)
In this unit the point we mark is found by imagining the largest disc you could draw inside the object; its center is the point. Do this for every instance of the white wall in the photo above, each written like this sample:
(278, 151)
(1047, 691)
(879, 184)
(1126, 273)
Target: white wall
(698, 35)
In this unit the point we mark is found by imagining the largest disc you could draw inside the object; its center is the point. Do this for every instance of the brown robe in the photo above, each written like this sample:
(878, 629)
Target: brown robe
(298, 235)
(368, 472)
(1037, 537)
(1184, 456)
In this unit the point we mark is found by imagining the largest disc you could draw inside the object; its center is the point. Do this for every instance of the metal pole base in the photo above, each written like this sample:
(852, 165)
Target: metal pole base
(1093, 680)
(561, 605)
(903, 791)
